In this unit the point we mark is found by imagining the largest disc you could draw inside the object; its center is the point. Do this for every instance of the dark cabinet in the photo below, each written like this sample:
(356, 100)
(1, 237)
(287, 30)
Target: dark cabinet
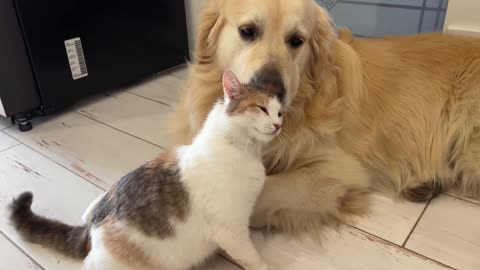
(55, 52)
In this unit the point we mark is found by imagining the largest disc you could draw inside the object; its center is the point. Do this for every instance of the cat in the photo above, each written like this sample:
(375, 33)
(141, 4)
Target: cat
(178, 209)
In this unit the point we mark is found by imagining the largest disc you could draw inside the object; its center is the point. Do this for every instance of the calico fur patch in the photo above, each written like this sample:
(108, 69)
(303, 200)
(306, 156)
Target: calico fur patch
(147, 197)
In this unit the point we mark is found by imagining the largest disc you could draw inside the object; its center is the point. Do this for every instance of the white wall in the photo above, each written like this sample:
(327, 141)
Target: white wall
(193, 9)
(463, 16)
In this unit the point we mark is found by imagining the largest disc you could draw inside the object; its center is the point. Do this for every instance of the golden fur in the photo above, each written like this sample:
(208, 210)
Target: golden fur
(391, 113)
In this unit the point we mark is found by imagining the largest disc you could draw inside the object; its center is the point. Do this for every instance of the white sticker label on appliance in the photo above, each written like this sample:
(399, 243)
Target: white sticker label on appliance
(76, 58)
(2, 110)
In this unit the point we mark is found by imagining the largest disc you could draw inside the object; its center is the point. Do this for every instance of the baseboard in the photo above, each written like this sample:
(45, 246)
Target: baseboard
(463, 30)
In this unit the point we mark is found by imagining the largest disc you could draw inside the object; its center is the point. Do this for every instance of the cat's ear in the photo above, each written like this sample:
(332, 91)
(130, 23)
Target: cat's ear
(232, 88)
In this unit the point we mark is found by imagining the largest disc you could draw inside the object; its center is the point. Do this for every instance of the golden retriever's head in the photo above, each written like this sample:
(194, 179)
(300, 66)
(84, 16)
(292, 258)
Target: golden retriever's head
(269, 44)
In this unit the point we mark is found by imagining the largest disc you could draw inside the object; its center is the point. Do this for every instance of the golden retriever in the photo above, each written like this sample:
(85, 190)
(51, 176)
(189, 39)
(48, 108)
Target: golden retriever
(400, 114)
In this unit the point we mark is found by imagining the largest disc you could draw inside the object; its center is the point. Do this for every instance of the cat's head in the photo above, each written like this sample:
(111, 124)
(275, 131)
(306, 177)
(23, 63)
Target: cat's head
(256, 111)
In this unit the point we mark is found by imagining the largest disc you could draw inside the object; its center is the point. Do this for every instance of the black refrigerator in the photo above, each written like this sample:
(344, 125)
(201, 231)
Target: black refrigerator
(56, 52)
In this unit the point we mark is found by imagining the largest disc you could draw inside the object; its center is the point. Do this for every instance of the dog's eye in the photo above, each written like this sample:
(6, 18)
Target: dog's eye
(248, 33)
(263, 109)
(296, 42)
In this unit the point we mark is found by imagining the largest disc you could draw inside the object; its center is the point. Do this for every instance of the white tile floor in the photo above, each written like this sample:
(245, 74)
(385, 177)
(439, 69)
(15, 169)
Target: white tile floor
(68, 159)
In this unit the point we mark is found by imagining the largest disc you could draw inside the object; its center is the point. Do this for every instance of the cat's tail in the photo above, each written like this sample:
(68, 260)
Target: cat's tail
(73, 241)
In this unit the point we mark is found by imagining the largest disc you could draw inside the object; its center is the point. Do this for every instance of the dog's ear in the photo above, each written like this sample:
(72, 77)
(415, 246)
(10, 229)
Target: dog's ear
(211, 24)
(322, 43)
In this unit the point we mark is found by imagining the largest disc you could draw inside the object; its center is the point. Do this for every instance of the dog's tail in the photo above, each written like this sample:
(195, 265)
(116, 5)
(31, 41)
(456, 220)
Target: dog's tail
(73, 241)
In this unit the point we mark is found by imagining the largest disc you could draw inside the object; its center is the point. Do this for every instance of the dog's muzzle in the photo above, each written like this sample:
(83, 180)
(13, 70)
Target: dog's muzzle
(269, 79)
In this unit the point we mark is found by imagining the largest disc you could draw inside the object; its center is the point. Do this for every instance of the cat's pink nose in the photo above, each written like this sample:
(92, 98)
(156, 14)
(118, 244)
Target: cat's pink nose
(277, 126)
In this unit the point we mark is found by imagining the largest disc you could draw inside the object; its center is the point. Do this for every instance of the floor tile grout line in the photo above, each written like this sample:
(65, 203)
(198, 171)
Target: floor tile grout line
(128, 91)
(15, 139)
(9, 125)
(416, 223)
(21, 249)
(58, 163)
(13, 146)
(226, 258)
(174, 69)
(178, 77)
(117, 129)
(369, 233)
(3, 130)
(151, 99)
(460, 198)
(175, 74)
(402, 247)
(430, 259)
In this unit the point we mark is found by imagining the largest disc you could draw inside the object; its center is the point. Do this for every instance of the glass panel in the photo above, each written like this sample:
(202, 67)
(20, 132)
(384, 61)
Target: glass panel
(414, 3)
(387, 17)
(429, 21)
(433, 3)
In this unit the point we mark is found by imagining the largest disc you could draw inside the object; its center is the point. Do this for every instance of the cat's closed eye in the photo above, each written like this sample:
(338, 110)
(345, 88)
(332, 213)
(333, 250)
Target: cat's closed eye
(263, 109)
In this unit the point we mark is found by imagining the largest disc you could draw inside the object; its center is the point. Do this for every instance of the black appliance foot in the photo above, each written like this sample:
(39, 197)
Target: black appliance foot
(23, 123)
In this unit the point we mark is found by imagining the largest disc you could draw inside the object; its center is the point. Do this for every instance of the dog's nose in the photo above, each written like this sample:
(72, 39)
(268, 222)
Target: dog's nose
(269, 79)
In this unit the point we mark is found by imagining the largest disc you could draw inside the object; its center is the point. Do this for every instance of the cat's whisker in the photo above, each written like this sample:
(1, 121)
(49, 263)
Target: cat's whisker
(285, 135)
(283, 138)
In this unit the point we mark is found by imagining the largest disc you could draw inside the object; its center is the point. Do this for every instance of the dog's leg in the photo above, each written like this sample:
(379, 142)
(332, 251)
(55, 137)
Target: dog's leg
(468, 169)
(311, 196)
